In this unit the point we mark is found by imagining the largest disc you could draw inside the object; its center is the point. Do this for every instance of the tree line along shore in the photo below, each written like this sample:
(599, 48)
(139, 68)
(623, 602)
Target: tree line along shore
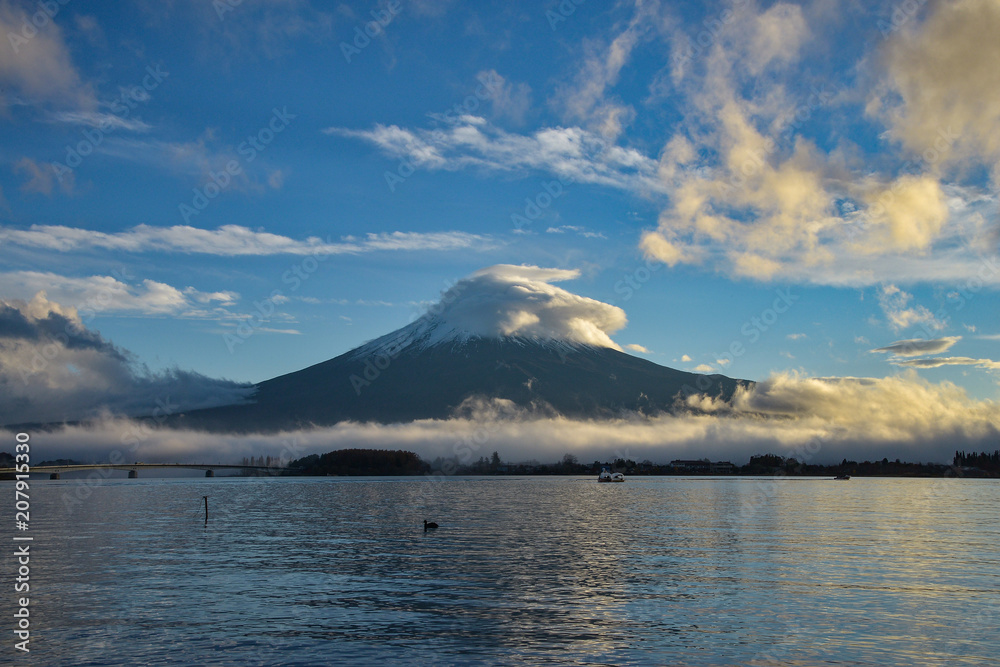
(380, 462)
(387, 462)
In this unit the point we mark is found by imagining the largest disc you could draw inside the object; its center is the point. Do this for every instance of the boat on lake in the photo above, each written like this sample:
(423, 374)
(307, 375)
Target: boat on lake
(608, 476)
(843, 477)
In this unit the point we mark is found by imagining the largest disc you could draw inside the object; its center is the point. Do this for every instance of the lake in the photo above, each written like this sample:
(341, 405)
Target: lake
(554, 570)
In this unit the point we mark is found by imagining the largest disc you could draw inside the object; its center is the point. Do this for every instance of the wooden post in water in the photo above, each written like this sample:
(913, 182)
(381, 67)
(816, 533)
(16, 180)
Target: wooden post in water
(206, 509)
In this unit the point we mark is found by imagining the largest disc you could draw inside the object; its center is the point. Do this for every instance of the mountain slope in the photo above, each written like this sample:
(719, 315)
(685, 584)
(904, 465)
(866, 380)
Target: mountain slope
(430, 370)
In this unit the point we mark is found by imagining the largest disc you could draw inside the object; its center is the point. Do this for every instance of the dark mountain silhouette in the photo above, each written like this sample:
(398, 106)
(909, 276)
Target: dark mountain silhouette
(429, 370)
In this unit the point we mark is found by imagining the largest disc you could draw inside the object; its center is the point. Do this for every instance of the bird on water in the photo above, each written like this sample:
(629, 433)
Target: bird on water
(429, 525)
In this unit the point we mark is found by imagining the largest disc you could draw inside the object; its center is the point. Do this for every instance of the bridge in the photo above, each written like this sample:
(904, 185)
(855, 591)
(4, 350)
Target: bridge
(133, 468)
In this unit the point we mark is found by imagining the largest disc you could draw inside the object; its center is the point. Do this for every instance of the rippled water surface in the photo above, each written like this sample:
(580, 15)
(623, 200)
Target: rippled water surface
(690, 571)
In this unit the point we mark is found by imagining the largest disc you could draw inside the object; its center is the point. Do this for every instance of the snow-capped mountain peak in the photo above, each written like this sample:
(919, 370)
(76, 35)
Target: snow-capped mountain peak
(429, 332)
(513, 304)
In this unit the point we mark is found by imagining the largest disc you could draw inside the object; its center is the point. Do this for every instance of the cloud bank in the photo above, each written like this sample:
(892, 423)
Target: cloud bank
(819, 420)
(53, 368)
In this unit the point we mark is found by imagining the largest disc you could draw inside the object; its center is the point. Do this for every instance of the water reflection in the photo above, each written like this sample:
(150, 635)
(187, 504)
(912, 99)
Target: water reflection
(561, 570)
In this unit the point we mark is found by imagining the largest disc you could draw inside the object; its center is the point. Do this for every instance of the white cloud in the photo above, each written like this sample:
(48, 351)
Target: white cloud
(233, 240)
(248, 30)
(508, 300)
(413, 241)
(895, 304)
(91, 29)
(903, 352)
(704, 368)
(199, 160)
(761, 213)
(749, 195)
(573, 154)
(290, 332)
(109, 294)
(685, 358)
(575, 229)
(635, 347)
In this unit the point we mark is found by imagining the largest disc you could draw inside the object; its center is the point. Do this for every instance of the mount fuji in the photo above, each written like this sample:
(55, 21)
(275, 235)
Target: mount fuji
(503, 337)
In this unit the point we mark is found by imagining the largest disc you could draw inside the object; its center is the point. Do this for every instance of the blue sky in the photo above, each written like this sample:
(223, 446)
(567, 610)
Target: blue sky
(803, 182)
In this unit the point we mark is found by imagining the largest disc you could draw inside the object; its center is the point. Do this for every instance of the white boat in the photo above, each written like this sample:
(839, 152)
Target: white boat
(607, 476)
